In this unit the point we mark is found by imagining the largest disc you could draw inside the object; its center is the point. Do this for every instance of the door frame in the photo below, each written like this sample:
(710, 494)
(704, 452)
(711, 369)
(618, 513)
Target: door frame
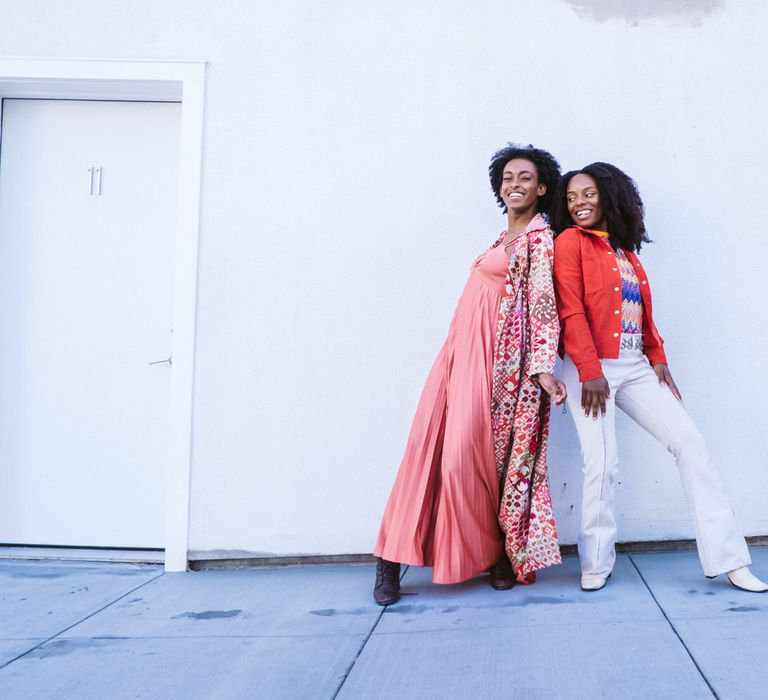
(148, 81)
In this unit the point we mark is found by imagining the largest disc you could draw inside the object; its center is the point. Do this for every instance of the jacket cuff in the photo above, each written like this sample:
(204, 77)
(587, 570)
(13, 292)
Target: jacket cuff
(545, 367)
(656, 356)
(590, 370)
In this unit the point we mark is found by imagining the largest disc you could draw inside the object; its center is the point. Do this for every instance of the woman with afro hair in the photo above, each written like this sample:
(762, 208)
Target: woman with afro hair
(614, 357)
(472, 492)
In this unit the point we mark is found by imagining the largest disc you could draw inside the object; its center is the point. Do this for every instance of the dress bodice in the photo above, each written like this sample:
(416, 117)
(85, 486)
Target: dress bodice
(491, 266)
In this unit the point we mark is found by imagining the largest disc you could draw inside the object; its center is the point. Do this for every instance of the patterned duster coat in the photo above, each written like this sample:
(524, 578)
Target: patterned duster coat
(526, 344)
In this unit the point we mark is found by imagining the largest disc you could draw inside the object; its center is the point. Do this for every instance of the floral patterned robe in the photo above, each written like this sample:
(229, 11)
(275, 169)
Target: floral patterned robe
(526, 344)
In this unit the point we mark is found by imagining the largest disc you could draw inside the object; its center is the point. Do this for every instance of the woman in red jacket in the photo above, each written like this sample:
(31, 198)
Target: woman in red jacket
(614, 356)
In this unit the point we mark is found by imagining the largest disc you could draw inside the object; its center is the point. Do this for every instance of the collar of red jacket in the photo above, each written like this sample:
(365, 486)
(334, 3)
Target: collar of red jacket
(602, 234)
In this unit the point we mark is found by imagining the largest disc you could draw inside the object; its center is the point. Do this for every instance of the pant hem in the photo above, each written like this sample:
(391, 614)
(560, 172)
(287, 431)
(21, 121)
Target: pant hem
(729, 567)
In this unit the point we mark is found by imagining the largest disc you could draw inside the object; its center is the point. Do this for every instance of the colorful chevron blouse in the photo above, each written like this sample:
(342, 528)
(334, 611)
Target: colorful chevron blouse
(631, 301)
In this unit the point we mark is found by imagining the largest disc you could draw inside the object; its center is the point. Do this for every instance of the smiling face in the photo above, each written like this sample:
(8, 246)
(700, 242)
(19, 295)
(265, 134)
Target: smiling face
(520, 186)
(583, 199)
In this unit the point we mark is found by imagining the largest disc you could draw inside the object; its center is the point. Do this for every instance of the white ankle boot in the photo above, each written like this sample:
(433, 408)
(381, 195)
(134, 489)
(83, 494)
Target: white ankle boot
(593, 583)
(744, 579)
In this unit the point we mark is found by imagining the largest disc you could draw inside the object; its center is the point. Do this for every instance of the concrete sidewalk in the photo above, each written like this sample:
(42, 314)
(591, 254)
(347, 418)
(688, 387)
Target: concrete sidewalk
(658, 630)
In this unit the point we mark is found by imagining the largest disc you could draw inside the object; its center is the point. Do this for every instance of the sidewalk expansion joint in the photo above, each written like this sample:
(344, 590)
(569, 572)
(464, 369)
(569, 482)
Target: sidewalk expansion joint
(674, 629)
(362, 646)
(80, 621)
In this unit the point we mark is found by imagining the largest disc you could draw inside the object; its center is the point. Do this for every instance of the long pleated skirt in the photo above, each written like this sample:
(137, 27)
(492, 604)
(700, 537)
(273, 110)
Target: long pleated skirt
(442, 511)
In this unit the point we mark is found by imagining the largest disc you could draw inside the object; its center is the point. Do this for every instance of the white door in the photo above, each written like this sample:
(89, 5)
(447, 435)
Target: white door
(87, 220)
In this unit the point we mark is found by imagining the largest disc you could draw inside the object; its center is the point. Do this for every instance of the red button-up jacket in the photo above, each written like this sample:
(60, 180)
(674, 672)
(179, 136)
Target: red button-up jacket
(588, 289)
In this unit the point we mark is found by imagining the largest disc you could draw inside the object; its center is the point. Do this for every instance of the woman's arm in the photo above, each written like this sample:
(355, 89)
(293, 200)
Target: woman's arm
(542, 317)
(542, 311)
(569, 286)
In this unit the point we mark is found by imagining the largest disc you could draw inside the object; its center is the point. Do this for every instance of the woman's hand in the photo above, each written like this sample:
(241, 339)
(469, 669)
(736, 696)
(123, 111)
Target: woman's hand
(553, 386)
(665, 377)
(594, 392)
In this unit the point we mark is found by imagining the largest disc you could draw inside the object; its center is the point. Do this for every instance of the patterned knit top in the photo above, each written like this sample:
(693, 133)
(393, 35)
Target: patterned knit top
(631, 301)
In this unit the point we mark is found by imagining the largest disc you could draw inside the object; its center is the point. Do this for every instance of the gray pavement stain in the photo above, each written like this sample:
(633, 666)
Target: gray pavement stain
(208, 615)
(63, 647)
(331, 612)
(130, 604)
(745, 608)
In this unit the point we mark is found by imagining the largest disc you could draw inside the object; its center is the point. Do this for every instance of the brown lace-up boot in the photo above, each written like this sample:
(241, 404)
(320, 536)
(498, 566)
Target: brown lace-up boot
(387, 588)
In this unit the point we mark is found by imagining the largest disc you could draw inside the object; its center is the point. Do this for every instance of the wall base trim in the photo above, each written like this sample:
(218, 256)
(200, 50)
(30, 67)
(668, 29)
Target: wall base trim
(200, 560)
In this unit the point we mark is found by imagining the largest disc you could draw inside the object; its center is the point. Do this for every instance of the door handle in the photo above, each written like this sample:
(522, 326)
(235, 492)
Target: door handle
(169, 360)
(95, 171)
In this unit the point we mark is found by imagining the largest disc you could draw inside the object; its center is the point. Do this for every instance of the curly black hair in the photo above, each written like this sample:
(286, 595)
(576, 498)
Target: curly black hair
(547, 167)
(619, 198)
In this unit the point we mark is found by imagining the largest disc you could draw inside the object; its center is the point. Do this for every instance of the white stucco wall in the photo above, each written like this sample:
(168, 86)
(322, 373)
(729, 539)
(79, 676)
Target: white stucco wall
(345, 195)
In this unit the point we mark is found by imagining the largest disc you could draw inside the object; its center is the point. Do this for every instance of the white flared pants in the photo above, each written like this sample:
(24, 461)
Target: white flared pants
(635, 390)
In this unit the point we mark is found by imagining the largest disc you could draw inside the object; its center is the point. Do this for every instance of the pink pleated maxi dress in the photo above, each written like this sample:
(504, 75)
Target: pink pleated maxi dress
(442, 511)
